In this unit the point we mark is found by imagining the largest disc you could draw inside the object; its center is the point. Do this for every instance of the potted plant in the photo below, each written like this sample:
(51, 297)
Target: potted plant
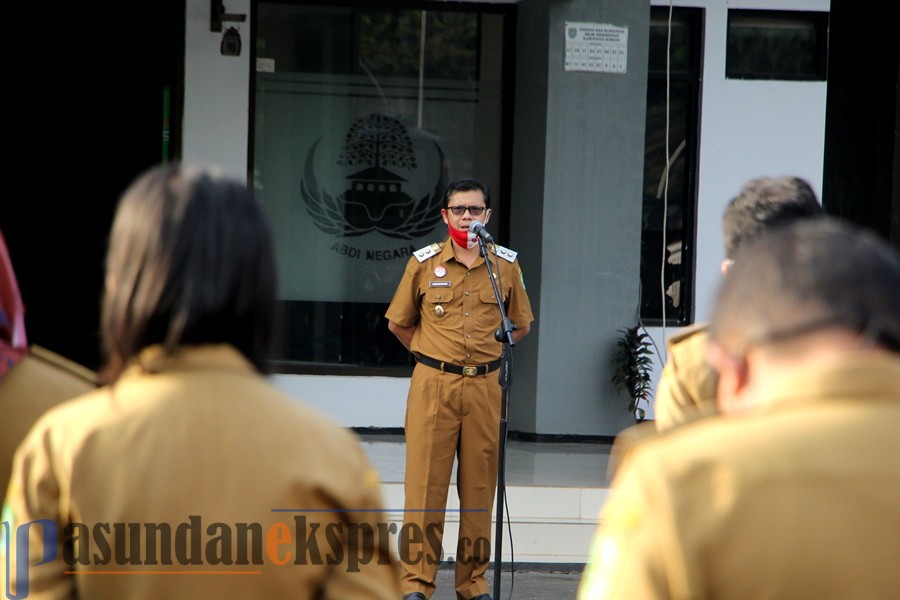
(632, 365)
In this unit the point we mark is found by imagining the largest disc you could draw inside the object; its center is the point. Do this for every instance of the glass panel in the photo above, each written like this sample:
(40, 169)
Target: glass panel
(670, 197)
(681, 48)
(362, 116)
(776, 45)
(656, 205)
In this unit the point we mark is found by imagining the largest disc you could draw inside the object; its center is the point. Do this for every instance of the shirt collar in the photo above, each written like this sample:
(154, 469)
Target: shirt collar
(208, 357)
(446, 254)
(872, 376)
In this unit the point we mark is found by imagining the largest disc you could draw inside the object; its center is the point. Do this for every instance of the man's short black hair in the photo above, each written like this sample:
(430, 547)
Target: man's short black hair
(809, 275)
(467, 185)
(764, 203)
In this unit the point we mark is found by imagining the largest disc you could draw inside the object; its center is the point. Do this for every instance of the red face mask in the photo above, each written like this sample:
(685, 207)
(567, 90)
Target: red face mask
(463, 237)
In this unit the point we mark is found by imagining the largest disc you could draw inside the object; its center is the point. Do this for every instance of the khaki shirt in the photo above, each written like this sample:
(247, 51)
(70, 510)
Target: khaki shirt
(455, 307)
(687, 385)
(271, 498)
(40, 380)
(798, 499)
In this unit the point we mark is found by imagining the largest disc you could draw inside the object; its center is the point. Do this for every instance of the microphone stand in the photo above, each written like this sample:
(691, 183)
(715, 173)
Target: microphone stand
(504, 335)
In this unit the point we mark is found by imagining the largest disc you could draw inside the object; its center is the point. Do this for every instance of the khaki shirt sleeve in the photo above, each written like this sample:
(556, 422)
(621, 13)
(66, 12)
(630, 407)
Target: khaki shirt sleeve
(41, 380)
(518, 306)
(687, 384)
(370, 570)
(404, 307)
(31, 511)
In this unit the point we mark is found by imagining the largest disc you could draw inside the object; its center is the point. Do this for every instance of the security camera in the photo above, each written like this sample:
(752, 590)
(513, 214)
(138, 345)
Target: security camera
(231, 42)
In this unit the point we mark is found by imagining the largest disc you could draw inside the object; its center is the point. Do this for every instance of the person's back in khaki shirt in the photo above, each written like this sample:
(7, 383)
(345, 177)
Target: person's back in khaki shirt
(687, 385)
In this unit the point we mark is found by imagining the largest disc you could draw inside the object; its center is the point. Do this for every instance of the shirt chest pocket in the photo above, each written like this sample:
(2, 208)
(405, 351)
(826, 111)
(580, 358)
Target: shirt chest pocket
(488, 297)
(488, 312)
(436, 307)
(438, 296)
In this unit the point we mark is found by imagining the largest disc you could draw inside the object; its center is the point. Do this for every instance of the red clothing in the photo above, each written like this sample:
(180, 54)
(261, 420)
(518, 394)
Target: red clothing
(13, 342)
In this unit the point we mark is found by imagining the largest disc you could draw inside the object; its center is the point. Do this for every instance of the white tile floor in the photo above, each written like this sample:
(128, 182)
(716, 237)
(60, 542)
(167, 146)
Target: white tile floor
(553, 494)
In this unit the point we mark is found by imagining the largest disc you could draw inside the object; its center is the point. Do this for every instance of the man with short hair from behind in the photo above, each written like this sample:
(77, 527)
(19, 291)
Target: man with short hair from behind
(686, 388)
(791, 492)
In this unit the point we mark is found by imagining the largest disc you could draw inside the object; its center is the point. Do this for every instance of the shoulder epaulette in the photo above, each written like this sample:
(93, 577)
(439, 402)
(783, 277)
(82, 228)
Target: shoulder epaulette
(689, 332)
(505, 253)
(427, 251)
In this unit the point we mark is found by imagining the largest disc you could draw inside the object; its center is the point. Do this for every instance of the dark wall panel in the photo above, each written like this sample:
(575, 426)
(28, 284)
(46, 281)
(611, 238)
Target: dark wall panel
(86, 119)
(862, 134)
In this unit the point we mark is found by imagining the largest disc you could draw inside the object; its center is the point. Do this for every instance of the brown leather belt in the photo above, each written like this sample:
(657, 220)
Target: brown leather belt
(465, 370)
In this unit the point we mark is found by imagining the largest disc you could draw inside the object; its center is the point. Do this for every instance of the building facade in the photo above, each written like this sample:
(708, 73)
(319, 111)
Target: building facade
(612, 133)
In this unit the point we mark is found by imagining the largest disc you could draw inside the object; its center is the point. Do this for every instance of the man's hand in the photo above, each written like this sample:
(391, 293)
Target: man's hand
(404, 334)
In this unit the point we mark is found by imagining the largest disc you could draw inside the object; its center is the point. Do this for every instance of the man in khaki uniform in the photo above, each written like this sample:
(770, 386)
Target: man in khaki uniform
(687, 385)
(445, 312)
(792, 491)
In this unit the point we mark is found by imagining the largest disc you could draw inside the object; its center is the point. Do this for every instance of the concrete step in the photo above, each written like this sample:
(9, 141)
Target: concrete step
(541, 525)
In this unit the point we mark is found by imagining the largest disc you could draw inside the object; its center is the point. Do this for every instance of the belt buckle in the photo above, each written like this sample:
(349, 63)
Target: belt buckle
(470, 371)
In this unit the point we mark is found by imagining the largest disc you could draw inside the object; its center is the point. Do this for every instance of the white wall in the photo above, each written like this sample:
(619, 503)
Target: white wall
(748, 129)
(354, 401)
(216, 90)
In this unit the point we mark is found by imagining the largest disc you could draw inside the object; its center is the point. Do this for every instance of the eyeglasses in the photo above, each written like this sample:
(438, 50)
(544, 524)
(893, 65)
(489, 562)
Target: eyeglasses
(473, 210)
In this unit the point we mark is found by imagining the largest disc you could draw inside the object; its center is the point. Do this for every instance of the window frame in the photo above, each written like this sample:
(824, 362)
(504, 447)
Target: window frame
(818, 19)
(696, 19)
(280, 365)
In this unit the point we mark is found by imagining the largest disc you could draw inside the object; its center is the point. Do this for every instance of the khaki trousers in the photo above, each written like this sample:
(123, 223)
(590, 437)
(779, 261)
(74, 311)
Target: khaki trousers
(449, 416)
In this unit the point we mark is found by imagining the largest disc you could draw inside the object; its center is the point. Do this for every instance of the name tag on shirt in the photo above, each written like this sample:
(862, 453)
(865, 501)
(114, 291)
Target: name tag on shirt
(439, 284)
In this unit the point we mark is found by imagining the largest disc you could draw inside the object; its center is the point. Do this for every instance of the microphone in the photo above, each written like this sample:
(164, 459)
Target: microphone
(479, 230)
